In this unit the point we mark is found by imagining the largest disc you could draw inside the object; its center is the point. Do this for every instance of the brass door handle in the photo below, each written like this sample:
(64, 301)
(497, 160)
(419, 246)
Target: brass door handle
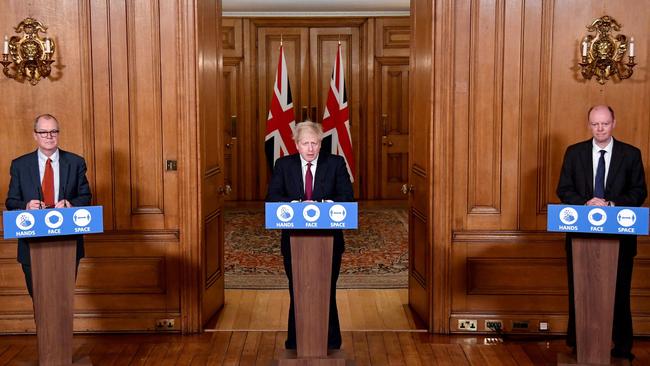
(407, 188)
(225, 190)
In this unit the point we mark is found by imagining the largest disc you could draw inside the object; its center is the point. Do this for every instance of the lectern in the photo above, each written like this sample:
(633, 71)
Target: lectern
(53, 245)
(595, 261)
(311, 258)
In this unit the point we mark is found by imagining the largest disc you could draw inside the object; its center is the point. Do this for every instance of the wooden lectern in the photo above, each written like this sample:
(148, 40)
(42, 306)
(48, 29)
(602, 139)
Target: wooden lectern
(595, 261)
(53, 279)
(311, 258)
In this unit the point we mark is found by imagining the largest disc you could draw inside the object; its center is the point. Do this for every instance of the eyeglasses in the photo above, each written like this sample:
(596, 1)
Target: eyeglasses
(44, 134)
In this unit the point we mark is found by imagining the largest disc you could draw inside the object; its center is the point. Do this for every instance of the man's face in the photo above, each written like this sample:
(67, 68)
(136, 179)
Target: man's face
(47, 135)
(308, 146)
(601, 124)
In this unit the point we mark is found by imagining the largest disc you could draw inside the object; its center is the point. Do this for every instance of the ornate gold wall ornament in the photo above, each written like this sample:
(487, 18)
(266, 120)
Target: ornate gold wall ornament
(603, 54)
(28, 57)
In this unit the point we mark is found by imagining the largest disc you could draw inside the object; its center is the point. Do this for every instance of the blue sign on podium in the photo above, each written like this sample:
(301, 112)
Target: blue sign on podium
(22, 224)
(311, 215)
(598, 219)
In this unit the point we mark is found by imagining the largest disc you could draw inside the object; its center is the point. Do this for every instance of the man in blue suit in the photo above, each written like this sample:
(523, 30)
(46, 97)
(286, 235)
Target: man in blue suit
(47, 177)
(311, 176)
(603, 171)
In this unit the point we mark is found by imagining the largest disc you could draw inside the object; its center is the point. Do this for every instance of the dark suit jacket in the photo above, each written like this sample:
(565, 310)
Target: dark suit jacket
(625, 185)
(25, 186)
(331, 182)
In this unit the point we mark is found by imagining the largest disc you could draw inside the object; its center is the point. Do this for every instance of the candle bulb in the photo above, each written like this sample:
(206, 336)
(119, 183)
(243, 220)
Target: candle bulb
(5, 48)
(585, 45)
(632, 47)
(47, 45)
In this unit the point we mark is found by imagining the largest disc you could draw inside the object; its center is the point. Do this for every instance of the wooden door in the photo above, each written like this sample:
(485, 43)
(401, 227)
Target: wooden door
(211, 168)
(295, 44)
(323, 45)
(394, 127)
(420, 167)
(232, 110)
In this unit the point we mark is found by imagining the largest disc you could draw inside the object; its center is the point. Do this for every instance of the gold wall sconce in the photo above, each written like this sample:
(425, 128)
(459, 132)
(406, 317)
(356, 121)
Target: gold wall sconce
(28, 57)
(602, 55)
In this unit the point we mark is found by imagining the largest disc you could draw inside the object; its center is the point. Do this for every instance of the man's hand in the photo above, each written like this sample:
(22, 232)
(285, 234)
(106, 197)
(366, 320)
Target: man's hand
(62, 204)
(596, 201)
(34, 205)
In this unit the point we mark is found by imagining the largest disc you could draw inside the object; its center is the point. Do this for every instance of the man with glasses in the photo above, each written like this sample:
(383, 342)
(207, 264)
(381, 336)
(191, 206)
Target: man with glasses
(45, 178)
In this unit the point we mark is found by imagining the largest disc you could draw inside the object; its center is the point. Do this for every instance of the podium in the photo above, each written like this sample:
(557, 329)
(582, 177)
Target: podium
(53, 249)
(595, 261)
(311, 257)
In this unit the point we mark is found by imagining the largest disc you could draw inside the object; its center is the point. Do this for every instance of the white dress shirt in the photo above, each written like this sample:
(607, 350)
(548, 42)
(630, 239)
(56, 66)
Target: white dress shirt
(42, 160)
(303, 164)
(595, 155)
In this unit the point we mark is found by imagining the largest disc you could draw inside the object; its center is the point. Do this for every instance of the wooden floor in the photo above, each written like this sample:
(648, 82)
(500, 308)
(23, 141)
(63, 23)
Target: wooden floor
(260, 348)
(264, 310)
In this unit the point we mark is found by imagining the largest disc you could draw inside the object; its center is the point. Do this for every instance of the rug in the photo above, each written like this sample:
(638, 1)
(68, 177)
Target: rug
(376, 255)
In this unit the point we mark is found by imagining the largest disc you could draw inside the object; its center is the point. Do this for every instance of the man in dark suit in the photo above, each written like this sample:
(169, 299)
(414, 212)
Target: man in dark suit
(603, 171)
(47, 177)
(311, 176)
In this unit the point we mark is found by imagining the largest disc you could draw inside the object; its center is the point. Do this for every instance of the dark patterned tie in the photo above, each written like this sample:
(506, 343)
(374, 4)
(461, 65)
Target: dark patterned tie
(309, 178)
(48, 184)
(599, 186)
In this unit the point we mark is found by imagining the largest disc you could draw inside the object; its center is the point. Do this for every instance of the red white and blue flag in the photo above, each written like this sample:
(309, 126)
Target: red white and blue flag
(281, 121)
(336, 120)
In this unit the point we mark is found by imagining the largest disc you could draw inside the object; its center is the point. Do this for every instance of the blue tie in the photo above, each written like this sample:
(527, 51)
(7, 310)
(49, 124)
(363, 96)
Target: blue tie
(599, 186)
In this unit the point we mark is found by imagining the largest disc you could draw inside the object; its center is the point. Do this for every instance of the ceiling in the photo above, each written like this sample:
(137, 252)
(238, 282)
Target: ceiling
(283, 8)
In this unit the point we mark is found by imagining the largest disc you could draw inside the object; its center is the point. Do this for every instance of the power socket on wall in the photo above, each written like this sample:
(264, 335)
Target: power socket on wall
(467, 325)
(164, 324)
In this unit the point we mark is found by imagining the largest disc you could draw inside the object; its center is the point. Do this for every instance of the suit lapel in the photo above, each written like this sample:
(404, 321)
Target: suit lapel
(36, 175)
(321, 169)
(614, 163)
(296, 166)
(64, 168)
(586, 159)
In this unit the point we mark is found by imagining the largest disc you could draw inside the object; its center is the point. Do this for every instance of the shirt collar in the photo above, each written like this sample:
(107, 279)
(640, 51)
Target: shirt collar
(43, 158)
(304, 162)
(607, 148)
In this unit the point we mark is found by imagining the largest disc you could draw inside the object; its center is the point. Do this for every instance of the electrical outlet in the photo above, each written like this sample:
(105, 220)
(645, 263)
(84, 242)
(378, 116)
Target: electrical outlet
(164, 324)
(494, 325)
(467, 325)
(520, 325)
(544, 326)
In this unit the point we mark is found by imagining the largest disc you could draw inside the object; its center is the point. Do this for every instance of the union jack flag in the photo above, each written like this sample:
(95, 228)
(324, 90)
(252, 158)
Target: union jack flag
(281, 121)
(336, 119)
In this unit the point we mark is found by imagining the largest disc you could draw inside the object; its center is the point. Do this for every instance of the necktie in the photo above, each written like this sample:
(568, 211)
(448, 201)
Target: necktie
(309, 178)
(599, 186)
(48, 184)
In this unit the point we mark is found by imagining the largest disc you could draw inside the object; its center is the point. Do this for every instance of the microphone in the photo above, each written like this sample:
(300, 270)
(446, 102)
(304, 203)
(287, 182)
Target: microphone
(40, 198)
(62, 195)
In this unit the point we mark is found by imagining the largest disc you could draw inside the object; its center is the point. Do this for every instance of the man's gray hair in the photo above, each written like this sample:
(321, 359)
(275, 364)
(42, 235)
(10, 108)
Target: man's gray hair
(308, 126)
(45, 116)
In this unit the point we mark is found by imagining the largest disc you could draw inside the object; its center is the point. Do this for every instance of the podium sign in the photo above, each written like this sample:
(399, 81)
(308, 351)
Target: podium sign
(21, 224)
(311, 215)
(598, 220)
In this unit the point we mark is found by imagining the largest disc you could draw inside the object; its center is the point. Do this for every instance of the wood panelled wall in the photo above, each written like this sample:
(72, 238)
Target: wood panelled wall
(123, 91)
(376, 56)
(508, 86)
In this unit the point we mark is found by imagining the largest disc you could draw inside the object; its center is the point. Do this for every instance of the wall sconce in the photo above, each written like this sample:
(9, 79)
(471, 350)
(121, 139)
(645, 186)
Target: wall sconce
(602, 55)
(31, 55)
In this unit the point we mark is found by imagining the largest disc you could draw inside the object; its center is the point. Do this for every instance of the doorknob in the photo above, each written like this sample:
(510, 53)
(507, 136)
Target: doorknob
(225, 190)
(407, 188)
(387, 142)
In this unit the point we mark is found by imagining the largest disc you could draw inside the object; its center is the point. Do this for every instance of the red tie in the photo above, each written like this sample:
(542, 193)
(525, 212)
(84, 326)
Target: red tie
(48, 184)
(308, 182)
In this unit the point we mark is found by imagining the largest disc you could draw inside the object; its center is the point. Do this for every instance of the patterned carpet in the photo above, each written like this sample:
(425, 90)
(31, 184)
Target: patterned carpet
(376, 255)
